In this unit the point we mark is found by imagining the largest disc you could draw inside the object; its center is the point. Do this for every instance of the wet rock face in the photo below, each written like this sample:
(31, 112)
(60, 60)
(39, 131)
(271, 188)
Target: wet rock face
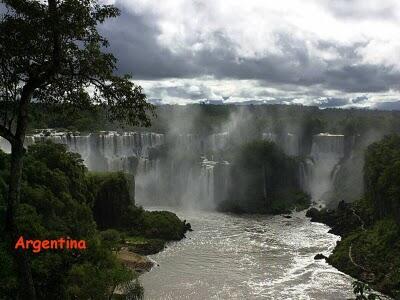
(342, 221)
(322, 216)
(320, 256)
(135, 261)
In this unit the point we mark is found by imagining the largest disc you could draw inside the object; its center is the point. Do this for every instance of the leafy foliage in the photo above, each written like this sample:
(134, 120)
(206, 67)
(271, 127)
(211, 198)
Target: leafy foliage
(363, 291)
(55, 50)
(162, 225)
(55, 203)
(371, 252)
(382, 176)
(264, 180)
(52, 52)
(112, 199)
(113, 208)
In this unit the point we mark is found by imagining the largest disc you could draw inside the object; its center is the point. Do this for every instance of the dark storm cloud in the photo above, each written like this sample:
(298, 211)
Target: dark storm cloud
(362, 78)
(395, 105)
(295, 66)
(133, 39)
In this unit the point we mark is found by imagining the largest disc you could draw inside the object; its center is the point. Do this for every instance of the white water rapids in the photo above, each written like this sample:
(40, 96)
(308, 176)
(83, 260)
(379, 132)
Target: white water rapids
(247, 257)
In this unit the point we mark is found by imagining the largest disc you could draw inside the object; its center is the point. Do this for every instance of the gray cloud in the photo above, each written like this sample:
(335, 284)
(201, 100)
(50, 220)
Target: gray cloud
(296, 65)
(133, 40)
(361, 9)
(185, 91)
(395, 105)
(360, 99)
(332, 102)
(301, 66)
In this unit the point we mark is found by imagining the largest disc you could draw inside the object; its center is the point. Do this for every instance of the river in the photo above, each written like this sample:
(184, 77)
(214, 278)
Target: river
(247, 257)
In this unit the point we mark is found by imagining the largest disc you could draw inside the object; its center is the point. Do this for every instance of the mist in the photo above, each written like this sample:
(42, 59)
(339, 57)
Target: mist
(186, 158)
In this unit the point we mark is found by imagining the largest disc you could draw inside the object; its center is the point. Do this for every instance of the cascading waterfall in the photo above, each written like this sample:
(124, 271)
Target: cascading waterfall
(105, 150)
(102, 151)
(289, 142)
(197, 184)
(207, 182)
(319, 171)
(187, 181)
(305, 174)
(316, 172)
(189, 142)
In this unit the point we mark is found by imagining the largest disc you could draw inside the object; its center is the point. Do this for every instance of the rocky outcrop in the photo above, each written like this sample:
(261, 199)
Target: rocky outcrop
(320, 256)
(342, 221)
(147, 247)
(135, 261)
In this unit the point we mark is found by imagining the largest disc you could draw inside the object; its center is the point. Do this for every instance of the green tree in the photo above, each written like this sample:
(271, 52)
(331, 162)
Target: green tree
(263, 180)
(56, 195)
(363, 292)
(382, 176)
(51, 52)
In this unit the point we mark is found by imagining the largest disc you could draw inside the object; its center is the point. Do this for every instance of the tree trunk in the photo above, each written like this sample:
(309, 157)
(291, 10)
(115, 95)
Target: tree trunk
(21, 258)
(27, 287)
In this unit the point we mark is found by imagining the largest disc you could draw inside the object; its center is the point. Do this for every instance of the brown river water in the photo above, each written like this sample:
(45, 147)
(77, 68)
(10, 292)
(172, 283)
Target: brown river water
(247, 257)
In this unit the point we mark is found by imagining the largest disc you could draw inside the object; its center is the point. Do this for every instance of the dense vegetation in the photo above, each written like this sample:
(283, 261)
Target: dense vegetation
(52, 53)
(382, 177)
(59, 199)
(370, 227)
(264, 180)
(112, 199)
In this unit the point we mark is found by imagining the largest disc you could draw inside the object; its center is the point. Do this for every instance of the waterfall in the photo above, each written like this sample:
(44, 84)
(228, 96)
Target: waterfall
(291, 144)
(305, 174)
(207, 183)
(158, 180)
(217, 141)
(318, 174)
(190, 142)
(190, 176)
(327, 145)
(288, 142)
(318, 171)
(101, 151)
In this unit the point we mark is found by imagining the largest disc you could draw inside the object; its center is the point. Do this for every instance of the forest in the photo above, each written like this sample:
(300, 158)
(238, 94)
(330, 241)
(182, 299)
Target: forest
(60, 198)
(370, 226)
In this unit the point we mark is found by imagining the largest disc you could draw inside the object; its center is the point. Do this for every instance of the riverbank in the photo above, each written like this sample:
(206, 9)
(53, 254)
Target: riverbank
(134, 261)
(369, 248)
(133, 250)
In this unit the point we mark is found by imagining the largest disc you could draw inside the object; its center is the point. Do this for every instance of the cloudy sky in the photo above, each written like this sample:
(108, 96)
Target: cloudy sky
(330, 53)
